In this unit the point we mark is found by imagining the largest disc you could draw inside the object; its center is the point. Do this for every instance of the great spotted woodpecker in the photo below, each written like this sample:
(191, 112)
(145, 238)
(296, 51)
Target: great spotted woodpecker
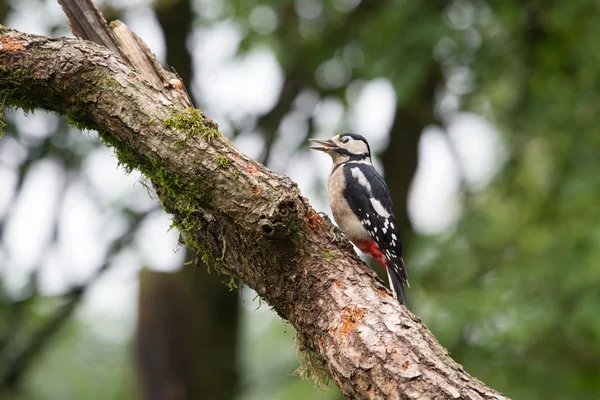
(361, 205)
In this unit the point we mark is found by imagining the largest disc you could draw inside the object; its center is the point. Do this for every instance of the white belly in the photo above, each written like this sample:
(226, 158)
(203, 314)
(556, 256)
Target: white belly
(342, 214)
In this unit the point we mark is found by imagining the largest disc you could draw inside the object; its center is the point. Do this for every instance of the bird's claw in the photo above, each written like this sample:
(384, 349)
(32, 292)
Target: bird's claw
(335, 232)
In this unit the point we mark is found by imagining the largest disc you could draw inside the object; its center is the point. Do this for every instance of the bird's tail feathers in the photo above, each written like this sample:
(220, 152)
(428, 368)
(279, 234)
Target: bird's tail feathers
(396, 282)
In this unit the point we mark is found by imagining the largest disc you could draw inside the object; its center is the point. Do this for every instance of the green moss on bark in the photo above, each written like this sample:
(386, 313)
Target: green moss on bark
(191, 122)
(181, 198)
(222, 161)
(12, 93)
(312, 366)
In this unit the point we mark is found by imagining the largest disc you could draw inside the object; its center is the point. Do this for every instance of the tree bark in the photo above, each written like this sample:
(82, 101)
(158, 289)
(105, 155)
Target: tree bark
(247, 220)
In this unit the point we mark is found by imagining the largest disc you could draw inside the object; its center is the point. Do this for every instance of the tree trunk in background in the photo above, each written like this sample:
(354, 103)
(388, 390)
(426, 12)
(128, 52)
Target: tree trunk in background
(188, 321)
(186, 337)
(400, 160)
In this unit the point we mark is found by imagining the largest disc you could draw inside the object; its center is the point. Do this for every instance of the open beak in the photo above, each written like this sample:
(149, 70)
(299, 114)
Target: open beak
(326, 145)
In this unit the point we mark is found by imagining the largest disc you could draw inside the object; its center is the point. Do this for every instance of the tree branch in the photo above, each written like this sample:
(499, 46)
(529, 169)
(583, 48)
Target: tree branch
(247, 220)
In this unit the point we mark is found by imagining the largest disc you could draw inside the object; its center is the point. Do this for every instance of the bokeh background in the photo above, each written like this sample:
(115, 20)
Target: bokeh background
(483, 116)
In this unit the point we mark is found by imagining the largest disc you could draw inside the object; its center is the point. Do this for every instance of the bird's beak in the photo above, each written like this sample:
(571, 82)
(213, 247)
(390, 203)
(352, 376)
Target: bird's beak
(326, 145)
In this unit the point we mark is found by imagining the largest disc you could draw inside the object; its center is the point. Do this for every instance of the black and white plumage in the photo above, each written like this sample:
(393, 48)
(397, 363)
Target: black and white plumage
(362, 207)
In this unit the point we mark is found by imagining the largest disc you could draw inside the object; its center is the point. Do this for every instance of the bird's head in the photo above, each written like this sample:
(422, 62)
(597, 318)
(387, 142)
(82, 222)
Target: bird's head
(347, 146)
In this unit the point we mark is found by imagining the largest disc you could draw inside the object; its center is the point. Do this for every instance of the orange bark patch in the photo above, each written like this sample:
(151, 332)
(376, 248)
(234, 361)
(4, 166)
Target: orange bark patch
(313, 219)
(251, 169)
(383, 292)
(338, 283)
(352, 317)
(255, 190)
(405, 365)
(9, 44)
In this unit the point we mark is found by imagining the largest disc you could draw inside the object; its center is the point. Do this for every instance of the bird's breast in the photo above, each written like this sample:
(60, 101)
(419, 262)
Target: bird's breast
(342, 213)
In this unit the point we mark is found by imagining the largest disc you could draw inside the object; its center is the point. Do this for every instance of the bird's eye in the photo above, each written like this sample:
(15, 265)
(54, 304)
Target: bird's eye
(345, 139)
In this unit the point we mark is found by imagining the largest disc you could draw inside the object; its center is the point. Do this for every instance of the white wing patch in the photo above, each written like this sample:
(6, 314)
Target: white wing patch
(361, 178)
(379, 208)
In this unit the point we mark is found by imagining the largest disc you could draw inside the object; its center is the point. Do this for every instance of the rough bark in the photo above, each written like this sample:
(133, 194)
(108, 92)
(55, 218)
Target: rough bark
(249, 221)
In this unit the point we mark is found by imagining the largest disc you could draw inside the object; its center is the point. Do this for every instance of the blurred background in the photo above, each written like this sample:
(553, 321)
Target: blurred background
(483, 116)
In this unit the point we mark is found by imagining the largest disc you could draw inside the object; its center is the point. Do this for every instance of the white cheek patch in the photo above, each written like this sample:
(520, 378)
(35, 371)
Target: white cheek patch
(379, 208)
(361, 178)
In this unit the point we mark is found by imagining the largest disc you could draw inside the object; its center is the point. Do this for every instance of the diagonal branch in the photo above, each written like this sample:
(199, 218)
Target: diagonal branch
(245, 219)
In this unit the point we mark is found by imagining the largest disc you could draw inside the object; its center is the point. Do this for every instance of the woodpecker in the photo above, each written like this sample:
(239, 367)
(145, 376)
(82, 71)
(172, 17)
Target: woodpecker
(361, 205)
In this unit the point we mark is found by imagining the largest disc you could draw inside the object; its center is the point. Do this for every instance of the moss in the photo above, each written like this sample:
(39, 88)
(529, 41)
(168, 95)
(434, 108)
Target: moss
(109, 83)
(231, 283)
(15, 75)
(13, 98)
(330, 255)
(205, 258)
(210, 262)
(191, 122)
(182, 198)
(312, 366)
(126, 157)
(181, 144)
(222, 161)
(236, 173)
(75, 120)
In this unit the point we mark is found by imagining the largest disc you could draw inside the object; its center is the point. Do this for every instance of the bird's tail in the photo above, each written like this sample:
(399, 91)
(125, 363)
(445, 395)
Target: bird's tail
(397, 280)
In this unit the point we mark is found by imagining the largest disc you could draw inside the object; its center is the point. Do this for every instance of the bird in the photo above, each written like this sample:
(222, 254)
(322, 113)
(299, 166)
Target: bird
(362, 207)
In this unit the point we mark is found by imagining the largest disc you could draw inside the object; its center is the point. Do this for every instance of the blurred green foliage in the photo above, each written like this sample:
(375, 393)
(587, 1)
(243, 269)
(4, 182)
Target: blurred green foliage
(513, 290)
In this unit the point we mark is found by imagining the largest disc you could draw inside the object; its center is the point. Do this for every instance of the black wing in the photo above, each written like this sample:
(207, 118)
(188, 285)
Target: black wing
(368, 196)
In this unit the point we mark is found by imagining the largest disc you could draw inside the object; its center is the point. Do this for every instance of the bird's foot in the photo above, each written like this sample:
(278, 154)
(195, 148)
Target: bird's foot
(335, 233)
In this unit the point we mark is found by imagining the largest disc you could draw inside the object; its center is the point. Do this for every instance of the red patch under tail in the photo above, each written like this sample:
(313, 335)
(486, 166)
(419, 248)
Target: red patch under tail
(370, 247)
